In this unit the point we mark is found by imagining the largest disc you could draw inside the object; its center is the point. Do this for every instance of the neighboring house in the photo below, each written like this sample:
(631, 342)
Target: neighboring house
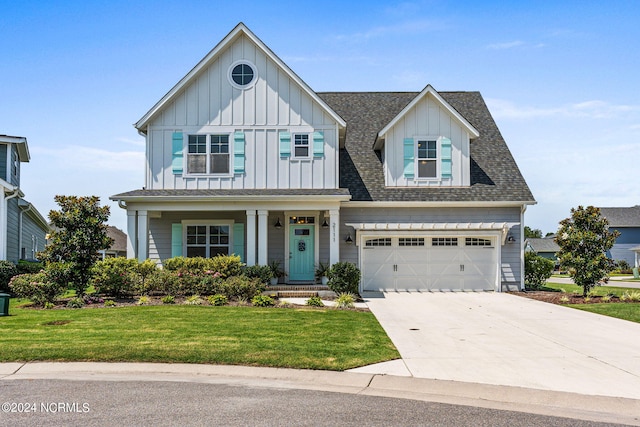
(627, 222)
(419, 190)
(545, 247)
(636, 251)
(119, 245)
(22, 228)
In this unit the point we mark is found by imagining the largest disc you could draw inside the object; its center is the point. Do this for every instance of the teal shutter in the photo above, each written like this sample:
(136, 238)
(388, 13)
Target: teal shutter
(445, 158)
(285, 144)
(238, 152)
(238, 240)
(409, 163)
(176, 240)
(318, 144)
(177, 147)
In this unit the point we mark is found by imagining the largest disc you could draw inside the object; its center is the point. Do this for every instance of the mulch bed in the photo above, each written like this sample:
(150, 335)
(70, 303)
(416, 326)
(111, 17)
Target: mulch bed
(558, 297)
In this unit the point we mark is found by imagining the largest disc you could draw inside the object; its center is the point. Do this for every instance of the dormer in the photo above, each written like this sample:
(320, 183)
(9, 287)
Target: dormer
(13, 151)
(426, 144)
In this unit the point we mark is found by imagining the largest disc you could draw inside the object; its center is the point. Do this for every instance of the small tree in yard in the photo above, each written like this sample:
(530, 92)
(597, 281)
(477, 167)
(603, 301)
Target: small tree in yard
(584, 240)
(80, 233)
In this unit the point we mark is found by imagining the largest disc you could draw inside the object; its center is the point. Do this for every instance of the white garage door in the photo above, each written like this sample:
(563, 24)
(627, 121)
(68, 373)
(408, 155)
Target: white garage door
(429, 263)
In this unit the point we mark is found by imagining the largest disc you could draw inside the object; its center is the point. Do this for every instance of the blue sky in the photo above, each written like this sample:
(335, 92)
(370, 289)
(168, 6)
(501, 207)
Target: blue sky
(562, 80)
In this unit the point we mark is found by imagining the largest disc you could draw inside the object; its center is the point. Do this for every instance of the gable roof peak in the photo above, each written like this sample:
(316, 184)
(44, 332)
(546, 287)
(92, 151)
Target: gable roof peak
(428, 91)
(240, 29)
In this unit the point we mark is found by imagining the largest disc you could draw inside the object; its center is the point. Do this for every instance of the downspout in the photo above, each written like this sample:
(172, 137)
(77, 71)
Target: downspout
(522, 211)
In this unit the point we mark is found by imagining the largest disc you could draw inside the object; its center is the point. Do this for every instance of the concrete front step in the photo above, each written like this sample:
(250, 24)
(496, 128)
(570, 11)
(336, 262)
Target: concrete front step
(296, 294)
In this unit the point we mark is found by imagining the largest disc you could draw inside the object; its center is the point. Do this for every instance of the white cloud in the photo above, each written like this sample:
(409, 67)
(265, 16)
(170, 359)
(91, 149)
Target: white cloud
(505, 45)
(595, 109)
(137, 142)
(403, 28)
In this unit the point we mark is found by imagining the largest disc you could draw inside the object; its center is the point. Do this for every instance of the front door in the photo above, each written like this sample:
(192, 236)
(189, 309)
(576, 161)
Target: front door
(301, 252)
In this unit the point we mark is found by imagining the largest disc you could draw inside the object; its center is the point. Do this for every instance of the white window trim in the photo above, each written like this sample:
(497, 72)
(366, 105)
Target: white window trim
(309, 146)
(255, 74)
(438, 140)
(207, 155)
(206, 223)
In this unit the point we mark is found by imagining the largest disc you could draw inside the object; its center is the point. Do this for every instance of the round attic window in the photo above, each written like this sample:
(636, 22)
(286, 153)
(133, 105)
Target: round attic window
(242, 74)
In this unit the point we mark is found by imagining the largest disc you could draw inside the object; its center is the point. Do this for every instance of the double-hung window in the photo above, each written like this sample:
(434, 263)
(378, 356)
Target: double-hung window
(427, 158)
(208, 154)
(300, 145)
(208, 241)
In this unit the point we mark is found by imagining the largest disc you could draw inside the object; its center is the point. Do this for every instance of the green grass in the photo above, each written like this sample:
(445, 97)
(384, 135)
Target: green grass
(294, 338)
(598, 290)
(627, 311)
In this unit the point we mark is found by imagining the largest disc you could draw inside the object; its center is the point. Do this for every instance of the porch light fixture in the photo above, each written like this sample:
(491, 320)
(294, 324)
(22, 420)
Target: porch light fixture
(510, 238)
(348, 240)
(278, 224)
(325, 224)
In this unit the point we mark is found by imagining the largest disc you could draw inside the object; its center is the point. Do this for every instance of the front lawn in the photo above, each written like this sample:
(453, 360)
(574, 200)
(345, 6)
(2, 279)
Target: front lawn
(621, 311)
(598, 290)
(279, 337)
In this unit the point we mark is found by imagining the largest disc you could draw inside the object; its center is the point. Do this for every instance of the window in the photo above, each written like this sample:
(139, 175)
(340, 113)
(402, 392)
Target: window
(242, 74)
(427, 159)
(208, 240)
(411, 241)
(212, 158)
(473, 241)
(386, 241)
(302, 220)
(300, 145)
(444, 241)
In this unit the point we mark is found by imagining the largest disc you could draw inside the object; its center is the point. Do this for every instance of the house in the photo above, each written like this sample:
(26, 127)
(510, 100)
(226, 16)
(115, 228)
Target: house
(544, 247)
(119, 246)
(418, 189)
(627, 222)
(22, 227)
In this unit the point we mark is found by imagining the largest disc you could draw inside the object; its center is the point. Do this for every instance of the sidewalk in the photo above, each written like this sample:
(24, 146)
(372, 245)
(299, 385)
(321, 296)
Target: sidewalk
(571, 405)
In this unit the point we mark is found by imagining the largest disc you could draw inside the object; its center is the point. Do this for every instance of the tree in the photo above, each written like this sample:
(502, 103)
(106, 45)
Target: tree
(529, 233)
(584, 239)
(80, 232)
(537, 270)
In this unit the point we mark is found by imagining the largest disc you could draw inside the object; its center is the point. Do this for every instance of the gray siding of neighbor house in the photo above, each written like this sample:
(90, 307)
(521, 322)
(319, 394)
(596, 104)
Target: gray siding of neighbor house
(33, 237)
(621, 250)
(3, 161)
(510, 260)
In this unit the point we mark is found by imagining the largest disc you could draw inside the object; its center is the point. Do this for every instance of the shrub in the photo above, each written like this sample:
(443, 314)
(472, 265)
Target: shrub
(36, 287)
(634, 296)
(343, 278)
(27, 266)
(345, 300)
(262, 272)
(115, 277)
(564, 299)
(60, 273)
(315, 302)
(537, 270)
(7, 271)
(606, 298)
(92, 299)
(623, 266)
(75, 303)
(193, 300)
(49, 305)
(168, 299)
(217, 300)
(164, 282)
(144, 270)
(143, 300)
(225, 265)
(109, 303)
(262, 301)
(241, 288)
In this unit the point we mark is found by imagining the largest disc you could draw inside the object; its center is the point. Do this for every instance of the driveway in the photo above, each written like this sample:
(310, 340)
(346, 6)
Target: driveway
(502, 339)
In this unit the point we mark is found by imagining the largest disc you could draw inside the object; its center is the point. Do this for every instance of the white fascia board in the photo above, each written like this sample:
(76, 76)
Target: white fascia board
(239, 29)
(429, 90)
(426, 204)
(21, 145)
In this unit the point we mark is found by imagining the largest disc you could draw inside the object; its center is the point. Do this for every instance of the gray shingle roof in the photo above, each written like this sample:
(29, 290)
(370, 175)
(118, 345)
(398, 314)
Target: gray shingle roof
(495, 176)
(543, 245)
(622, 217)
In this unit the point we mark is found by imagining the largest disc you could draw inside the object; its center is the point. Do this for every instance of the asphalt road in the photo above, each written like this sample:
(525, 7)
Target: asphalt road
(136, 403)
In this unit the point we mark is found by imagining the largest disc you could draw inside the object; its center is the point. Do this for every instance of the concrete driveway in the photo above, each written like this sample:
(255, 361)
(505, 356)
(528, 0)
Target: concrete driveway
(502, 339)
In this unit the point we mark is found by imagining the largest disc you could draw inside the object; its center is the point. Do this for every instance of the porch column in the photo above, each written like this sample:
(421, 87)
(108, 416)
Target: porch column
(263, 236)
(251, 237)
(334, 236)
(143, 235)
(131, 234)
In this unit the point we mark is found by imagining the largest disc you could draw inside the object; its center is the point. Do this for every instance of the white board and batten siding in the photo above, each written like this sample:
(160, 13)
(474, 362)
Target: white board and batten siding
(428, 119)
(274, 104)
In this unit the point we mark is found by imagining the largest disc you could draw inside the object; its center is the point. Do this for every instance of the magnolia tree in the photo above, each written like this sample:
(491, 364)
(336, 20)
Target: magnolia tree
(80, 231)
(584, 240)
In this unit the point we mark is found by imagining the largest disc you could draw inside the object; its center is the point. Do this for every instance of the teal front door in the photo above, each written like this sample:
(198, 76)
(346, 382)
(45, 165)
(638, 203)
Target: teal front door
(301, 252)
